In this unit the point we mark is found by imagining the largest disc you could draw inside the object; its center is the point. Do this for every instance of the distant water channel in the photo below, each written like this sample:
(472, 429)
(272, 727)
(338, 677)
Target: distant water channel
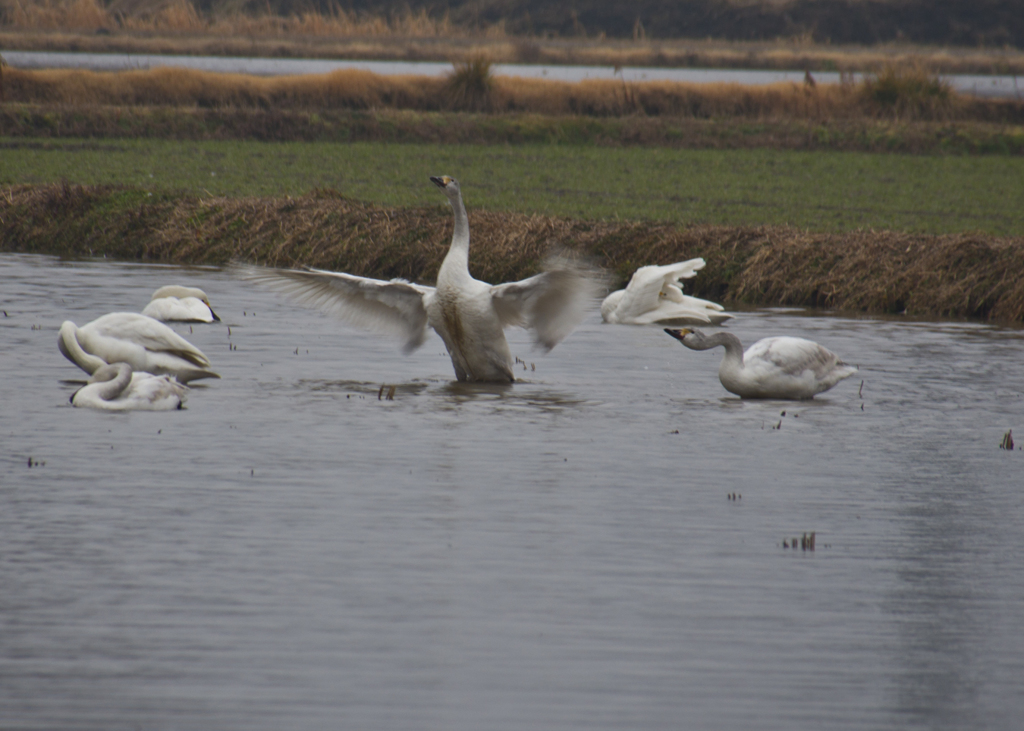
(293, 552)
(980, 85)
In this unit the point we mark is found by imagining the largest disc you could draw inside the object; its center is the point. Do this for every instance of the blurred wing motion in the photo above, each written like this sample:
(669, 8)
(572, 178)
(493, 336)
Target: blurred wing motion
(395, 306)
(551, 303)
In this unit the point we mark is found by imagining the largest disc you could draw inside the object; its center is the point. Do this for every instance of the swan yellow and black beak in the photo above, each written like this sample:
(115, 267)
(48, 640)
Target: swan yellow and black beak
(678, 334)
(440, 182)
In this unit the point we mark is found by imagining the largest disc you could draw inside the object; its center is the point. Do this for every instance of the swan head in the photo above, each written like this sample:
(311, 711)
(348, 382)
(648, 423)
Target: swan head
(448, 184)
(687, 336)
(179, 292)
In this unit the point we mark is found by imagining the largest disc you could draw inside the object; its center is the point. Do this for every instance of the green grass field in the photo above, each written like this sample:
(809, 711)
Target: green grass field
(823, 191)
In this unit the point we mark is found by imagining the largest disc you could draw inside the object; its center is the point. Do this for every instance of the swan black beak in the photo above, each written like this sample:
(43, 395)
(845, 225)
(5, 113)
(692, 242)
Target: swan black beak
(216, 319)
(678, 334)
(441, 182)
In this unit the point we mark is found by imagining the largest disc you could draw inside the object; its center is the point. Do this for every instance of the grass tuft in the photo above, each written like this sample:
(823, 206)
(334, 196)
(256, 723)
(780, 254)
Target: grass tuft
(909, 92)
(470, 85)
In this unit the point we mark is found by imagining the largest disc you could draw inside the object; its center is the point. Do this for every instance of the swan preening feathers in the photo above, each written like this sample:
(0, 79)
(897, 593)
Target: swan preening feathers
(654, 295)
(140, 341)
(469, 315)
(774, 368)
(175, 303)
(115, 387)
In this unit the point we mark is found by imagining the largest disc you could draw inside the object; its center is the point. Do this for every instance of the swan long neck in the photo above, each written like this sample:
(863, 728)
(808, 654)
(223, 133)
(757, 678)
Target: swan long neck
(67, 342)
(732, 344)
(459, 251)
(112, 380)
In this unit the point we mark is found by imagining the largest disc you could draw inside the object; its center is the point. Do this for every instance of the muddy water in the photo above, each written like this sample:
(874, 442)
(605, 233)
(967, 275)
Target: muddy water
(290, 551)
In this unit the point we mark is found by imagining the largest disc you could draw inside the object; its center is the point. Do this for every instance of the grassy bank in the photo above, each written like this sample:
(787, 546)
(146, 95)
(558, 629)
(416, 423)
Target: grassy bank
(823, 191)
(58, 121)
(907, 94)
(875, 272)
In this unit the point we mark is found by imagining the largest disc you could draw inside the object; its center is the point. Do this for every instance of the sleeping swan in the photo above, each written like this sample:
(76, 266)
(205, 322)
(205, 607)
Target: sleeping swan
(654, 295)
(115, 387)
(175, 303)
(140, 341)
(776, 368)
(469, 315)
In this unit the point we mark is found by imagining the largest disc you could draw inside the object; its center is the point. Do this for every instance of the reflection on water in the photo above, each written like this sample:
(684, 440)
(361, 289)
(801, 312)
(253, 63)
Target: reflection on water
(295, 547)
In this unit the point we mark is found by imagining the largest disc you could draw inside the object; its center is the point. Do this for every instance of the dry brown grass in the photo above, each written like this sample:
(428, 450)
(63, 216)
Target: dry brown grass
(181, 16)
(602, 98)
(177, 27)
(964, 275)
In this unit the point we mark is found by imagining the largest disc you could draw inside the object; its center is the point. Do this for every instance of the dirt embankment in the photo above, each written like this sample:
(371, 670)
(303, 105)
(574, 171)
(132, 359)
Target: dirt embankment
(963, 275)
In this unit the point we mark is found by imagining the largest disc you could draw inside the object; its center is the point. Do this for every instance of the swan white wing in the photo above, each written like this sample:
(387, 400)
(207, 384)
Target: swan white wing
(673, 313)
(551, 303)
(144, 331)
(793, 356)
(395, 306)
(644, 291)
(156, 393)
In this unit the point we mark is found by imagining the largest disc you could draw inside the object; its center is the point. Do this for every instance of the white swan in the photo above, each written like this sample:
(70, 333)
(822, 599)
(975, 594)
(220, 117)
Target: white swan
(776, 368)
(140, 341)
(175, 303)
(654, 295)
(115, 387)
(469, 315)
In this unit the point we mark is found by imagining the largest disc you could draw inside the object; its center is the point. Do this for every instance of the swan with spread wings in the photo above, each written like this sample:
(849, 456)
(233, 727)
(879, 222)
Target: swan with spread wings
(469, 315)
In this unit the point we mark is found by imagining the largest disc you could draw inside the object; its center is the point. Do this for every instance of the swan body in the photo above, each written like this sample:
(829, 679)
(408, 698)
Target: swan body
(469, 315)
(175, 303)
(775, 368)
(115, 387)
(654, 295)
(140, 341)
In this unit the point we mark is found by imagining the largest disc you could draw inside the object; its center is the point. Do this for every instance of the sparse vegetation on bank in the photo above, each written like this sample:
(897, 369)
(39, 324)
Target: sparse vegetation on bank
(964, 275)
(58, 121)
(898, 94)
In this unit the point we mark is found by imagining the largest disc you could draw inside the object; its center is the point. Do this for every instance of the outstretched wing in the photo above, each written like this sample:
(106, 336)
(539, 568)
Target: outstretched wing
(395, 306)
(551, 303)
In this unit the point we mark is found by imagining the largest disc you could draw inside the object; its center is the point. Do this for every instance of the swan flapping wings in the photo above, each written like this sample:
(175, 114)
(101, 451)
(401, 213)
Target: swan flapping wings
(397, 306)
(551, 303)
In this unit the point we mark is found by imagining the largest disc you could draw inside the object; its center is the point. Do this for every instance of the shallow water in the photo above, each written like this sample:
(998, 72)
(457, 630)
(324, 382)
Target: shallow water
(976, 84)
(290, 551)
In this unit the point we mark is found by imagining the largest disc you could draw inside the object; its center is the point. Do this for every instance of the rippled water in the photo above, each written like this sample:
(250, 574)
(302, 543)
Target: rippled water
(292, 552)
(977, 84)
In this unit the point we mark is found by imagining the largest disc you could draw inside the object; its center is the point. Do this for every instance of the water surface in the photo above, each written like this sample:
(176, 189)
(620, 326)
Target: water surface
(976, 84)
(290, 551)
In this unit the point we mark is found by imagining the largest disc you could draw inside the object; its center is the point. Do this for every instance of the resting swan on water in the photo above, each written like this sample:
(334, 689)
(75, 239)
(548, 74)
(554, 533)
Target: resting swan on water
(469, 315)
(175, 303)
(654, 295)
(774, 368)
(115, 387)
(140, 341)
